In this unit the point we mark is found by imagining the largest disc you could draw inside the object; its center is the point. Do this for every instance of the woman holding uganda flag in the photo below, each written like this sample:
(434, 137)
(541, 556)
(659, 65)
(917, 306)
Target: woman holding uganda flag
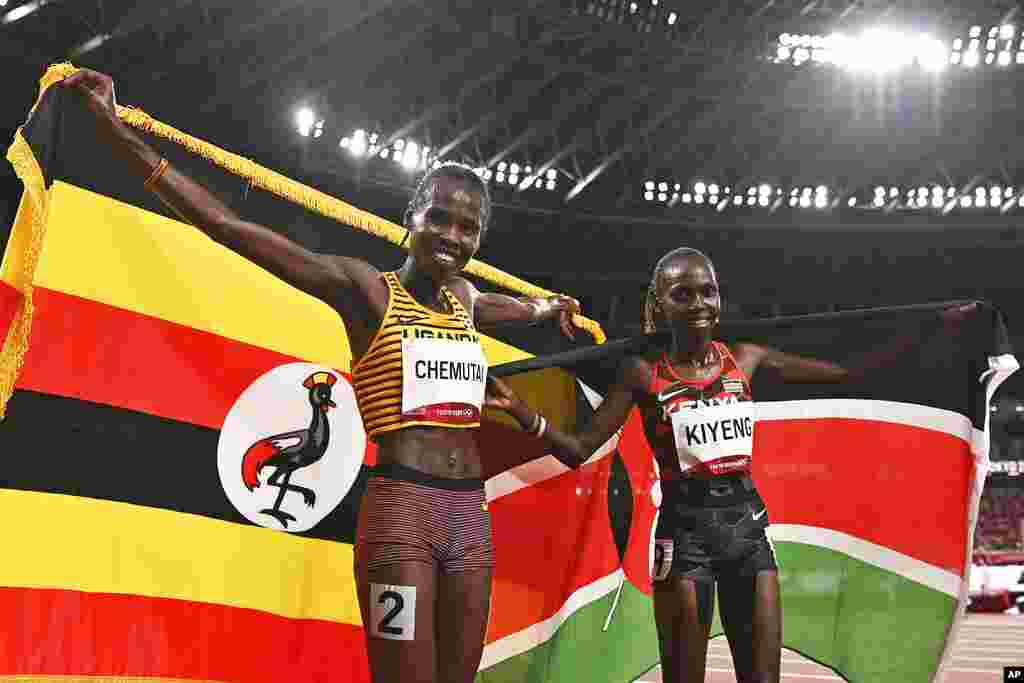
(698, 415)
(424, 553)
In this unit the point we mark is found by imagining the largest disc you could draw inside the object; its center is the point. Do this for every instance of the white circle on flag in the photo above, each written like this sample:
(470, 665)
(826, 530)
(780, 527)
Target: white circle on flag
(279, 405)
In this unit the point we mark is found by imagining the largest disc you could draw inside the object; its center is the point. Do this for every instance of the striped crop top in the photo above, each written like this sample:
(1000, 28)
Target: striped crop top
(423, 368)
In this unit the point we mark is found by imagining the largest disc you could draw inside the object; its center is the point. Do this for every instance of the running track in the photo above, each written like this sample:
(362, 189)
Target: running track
(985, 645)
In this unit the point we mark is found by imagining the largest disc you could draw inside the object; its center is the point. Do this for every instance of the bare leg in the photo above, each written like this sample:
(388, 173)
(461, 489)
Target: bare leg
(463, 608)
(682, 611)
(411, 659)
(752, 617)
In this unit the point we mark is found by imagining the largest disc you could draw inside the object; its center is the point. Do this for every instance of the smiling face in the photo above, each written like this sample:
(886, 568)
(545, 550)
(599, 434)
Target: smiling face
(686, 293)
(446, 228)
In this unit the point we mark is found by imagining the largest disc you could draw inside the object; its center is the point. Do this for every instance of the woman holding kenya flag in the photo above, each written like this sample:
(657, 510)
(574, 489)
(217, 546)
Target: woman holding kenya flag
(698, 415)
(423, 553)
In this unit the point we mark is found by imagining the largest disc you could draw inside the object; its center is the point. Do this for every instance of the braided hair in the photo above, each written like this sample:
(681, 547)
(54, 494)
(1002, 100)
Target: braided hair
(421, 196)
(651, 313)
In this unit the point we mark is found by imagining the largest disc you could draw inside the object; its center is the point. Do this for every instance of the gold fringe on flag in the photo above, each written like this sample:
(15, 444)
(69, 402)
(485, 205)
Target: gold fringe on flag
(30, 223)
(310, 198)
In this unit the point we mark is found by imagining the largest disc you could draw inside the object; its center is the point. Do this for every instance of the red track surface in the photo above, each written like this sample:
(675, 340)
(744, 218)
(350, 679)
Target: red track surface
(986, 643)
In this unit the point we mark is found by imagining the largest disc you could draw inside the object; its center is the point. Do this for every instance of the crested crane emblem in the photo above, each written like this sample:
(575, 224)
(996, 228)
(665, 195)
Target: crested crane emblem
(291, 447)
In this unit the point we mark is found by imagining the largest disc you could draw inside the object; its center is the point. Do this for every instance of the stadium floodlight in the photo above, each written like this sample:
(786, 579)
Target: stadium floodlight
(304, 121)
(648, 185)
(937, 201)
(552, 174)
(931, 54)
(513, 169)
(1006, 32)
(649, 196)
(687, 198)
(764, 190)
(357, 145)
(411, 157)
(699, 187)
(713, 188)
(821, 201)
(737, 200)
(662, 196)
(879, 191)
(663, 186)
(793, 201)
(550, 184)
(894, 191)
(805, 201)
(23, 10)
(851, 202)
(763, 200)
(699, 199)
(502, 166)
(671, 18)
(970, 58)
(879, 201)
(975, 31)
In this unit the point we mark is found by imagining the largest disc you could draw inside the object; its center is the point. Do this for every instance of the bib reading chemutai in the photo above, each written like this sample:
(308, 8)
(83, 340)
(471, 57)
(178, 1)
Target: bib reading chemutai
(443, 381)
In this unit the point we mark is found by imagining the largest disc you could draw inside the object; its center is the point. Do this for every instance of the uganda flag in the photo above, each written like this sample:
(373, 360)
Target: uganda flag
(152, 371)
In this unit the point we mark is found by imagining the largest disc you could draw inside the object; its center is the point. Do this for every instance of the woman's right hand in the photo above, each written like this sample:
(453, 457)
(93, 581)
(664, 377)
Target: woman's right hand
(97, 92)
(499, 395)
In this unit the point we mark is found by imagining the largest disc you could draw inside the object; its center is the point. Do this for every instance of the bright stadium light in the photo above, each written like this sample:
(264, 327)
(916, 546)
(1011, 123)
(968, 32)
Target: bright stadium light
(357, 145)
(411, 157)
(851, 202)
(304, 121)
(970, 58)
(648, 185)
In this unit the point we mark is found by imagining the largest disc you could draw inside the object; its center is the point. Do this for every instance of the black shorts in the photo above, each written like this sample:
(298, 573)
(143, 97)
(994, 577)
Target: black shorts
(711, 529)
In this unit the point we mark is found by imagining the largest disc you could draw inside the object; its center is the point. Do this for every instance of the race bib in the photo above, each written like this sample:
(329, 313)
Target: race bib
(442, 380)
(721, 438)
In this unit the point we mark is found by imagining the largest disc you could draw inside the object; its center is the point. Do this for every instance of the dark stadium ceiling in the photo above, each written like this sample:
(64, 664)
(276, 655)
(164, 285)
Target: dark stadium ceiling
(606, 93)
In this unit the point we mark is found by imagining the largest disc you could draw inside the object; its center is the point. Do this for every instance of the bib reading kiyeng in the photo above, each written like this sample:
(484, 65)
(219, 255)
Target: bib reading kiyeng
(718, 438)
(442, 380)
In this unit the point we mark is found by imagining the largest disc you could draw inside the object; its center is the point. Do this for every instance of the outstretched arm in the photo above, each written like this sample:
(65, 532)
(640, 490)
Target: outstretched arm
(798, 369)
(492, 310)
(573, 449)
(316, 274)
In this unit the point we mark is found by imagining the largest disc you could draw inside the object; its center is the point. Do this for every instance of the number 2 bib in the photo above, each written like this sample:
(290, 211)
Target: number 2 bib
(719, 438)
(442, 381)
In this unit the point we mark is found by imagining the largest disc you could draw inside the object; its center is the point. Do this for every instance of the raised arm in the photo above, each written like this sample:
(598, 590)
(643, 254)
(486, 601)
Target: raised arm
(322, 276)
(492, 310)
(573, 449)
(792, 368)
